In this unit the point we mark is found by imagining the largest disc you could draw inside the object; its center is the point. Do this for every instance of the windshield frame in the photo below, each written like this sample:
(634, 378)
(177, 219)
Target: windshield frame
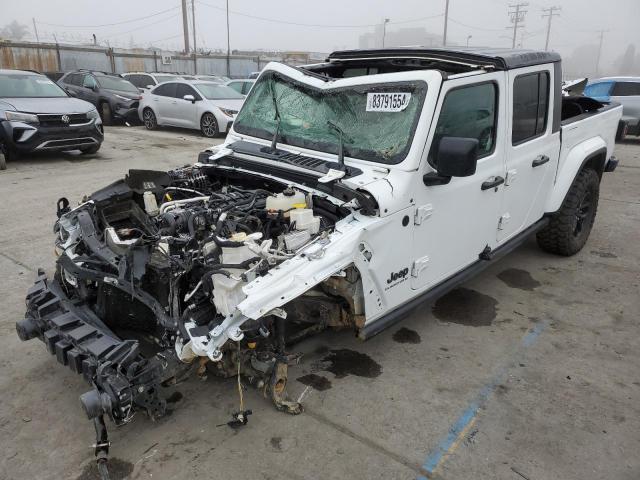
(419, 86)
(99, 78)
(36, 76)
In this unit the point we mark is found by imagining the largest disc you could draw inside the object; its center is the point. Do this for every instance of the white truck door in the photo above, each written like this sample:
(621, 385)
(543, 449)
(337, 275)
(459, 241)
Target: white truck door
(532, 148)
(454, 222)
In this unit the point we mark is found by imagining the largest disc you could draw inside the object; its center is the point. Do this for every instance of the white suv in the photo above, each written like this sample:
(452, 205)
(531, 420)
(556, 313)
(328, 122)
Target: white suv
(146, 81)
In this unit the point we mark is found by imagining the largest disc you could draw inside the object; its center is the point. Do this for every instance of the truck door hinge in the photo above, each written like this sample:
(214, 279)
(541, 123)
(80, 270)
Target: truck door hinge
(504, 219)
(422, 213)
(511, 177)
(419, 265)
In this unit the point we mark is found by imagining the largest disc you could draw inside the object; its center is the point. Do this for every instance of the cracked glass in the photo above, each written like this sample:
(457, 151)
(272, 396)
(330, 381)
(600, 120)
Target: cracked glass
(308, 117)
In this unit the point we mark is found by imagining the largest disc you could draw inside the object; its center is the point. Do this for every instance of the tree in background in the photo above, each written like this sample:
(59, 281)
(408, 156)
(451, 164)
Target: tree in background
(14, 31)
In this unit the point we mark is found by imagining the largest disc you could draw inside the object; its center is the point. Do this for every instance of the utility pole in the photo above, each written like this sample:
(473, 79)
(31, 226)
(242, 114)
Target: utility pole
(35, 30)
(185, 26)
(599, 52)
(446, 20)
(549, 13)
(228, 44)
(193, 25)
(384, 30)
(517, 18)
(469, 37)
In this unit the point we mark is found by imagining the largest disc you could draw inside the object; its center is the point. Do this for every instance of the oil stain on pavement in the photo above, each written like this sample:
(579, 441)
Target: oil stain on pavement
(406, 335)
(466, 307)
(342, 362)
(516, 278)
(318, 382)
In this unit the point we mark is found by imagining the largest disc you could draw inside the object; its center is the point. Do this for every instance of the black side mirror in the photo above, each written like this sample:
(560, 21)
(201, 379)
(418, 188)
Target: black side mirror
(455, 157)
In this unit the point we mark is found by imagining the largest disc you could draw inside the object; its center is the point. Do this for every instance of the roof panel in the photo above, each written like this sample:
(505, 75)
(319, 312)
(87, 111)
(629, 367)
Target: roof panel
(498, 58)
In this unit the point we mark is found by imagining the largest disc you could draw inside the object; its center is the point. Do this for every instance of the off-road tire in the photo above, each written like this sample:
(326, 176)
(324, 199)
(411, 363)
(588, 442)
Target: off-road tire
(90, 150)
(569, 228)
(106, 114)
(149, 119)
(209, 125)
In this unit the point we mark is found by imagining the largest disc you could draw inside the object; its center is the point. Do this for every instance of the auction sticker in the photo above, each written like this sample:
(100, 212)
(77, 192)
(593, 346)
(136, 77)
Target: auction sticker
(387, 102)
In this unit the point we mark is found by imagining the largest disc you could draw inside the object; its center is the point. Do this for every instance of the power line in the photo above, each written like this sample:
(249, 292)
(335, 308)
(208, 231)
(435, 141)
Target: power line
(111, 24)
(320, 25)
(172, 17)
(476, 28)
(549, 13)
(166, 38)
(517, 18)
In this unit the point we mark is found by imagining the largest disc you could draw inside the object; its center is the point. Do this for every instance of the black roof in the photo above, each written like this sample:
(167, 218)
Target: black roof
(483, 57)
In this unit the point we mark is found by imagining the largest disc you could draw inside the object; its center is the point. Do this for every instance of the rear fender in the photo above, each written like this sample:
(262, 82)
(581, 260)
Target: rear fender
(591, 153)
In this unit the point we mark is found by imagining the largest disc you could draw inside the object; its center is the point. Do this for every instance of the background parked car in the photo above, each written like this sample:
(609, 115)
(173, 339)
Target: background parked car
(212, 78)
(113, 96)
(207, 106)
(623, 90)
(38, 115)
(253, 75)
(55, 76)
(242, 86)
(145, 81)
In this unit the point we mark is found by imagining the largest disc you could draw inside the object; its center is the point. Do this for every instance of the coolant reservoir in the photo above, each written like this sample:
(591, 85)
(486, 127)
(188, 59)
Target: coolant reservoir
(290, 198)
(304, 220)
(150, 203)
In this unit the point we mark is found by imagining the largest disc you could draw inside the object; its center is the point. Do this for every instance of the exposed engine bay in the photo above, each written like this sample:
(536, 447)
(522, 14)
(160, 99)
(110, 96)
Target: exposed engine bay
(149, 275)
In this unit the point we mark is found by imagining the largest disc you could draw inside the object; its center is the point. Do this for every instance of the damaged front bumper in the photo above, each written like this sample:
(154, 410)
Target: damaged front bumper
(122, 379)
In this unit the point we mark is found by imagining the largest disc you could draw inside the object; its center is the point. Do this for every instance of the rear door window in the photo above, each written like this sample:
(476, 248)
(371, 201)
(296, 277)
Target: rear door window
(626, 89)
(140, 81)
(165, 90)
(73, 79)
(530, 106)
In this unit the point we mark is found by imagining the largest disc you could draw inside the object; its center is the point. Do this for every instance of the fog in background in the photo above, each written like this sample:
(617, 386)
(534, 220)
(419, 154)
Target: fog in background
(323, 26)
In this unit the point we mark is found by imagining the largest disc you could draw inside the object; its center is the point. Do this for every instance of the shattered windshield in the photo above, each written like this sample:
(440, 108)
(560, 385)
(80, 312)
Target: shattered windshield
(377, 121)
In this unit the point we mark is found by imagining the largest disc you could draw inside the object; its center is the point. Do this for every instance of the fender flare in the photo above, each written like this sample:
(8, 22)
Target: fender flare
(593, 153)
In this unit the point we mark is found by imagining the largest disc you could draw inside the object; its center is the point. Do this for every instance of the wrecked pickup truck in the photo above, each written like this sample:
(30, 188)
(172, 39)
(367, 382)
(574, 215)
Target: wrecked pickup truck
(346, 194)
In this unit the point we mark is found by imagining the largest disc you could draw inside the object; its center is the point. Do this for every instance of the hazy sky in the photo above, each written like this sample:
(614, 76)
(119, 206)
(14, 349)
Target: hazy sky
(340, 22)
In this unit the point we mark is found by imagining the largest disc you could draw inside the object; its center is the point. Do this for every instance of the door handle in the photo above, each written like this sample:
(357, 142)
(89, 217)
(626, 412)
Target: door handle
(494, 183)
(539, 160)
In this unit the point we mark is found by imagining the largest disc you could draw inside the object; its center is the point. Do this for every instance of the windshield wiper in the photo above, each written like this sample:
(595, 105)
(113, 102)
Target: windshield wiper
(274, 142)
(341, 138)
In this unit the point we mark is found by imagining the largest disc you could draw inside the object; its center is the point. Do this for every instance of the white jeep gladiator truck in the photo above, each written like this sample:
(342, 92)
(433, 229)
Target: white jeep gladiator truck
(346, 193)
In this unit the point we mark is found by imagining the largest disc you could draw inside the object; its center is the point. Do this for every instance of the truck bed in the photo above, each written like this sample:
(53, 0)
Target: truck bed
(584, 119)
